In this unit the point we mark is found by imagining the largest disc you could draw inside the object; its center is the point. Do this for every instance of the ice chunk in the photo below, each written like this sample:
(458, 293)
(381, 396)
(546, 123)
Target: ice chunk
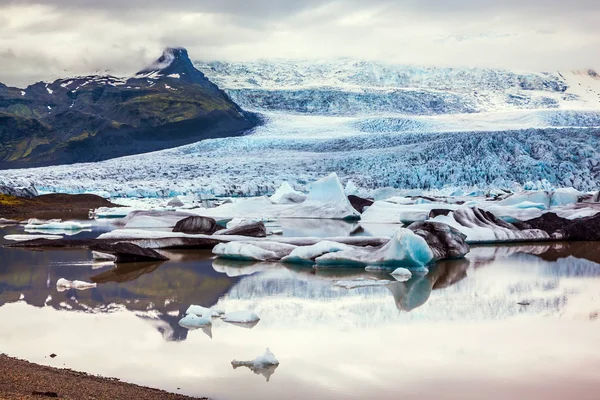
(253, 250)
(307, 254)
(175, 202)
(351, 188)
(265, 360)
(241, 317)
(24, 238)
(402, 274)
(386, 212)
(405, 249)
(286, 194)
(35, 221)
(192, 321)
(199, 310)
(481, 226)
(361, 282)
(154, 219)
(64, 226)
(64, 284)
(565, 196)
(98, 255)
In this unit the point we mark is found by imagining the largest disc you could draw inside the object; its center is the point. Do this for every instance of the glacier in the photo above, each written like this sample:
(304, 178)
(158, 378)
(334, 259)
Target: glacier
(374, 124)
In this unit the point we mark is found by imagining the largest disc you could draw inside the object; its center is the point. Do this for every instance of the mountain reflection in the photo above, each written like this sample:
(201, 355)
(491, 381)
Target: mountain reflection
(161, 292)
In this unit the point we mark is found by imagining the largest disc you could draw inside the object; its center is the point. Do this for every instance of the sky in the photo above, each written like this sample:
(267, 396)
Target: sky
(43, 40)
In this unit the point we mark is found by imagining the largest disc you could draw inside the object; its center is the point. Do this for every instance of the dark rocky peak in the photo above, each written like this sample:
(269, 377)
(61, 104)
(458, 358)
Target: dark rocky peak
(174, 63)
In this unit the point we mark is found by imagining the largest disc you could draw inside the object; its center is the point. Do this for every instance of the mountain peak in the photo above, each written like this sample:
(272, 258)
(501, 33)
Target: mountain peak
(174, 63)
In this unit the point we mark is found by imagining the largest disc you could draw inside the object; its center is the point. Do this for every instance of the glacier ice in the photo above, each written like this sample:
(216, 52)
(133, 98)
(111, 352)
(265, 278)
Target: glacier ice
(287, 194)
(401, 274)
(307, 254)
(24, 238)
(192, 321)
(200, 311)
(240, 317)
(253, 250)
(267, 359)
(63, 226)
(405, 249)
(64, 284)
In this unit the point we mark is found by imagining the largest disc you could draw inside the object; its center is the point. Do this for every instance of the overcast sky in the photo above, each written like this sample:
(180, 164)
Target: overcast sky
(51, 38)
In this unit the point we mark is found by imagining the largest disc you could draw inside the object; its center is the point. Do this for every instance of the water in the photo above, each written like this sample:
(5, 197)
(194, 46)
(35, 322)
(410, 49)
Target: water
(457, 332)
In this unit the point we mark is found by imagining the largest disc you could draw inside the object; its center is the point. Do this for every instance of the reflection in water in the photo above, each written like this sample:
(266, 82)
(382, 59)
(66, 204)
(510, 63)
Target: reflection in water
(267, 371)
(126, 272)
(333, 343)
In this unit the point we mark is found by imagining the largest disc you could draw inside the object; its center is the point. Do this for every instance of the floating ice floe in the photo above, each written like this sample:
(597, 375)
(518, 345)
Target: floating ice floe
(253, 250)
(286, 194)
(307, 254)
(326, 200)
(99, 256)
(147, 219)
(405, 249)
(361, 282)
(24, 238)
(401, 274)
(386, 212)
(200, 311)
(57, 225)
(240, 317)
(192, 321)
(63, 284)
(480, 226)
(266, 360)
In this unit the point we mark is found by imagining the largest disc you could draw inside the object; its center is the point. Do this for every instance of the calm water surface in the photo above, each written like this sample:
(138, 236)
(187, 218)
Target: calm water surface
(458, 332)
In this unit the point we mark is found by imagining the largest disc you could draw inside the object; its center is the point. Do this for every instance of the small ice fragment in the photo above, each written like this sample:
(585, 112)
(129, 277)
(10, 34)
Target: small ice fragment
(192, 321)
(402, 274)
(241, 317)
(199, 310)
(64, 284)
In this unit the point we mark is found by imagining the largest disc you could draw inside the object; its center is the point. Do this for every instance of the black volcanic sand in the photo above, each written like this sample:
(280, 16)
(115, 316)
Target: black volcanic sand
(23, 380)
(64, 206)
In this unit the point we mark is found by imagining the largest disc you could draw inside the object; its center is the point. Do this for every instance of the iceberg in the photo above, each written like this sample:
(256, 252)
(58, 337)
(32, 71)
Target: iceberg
(240, 317)
(286, 194)
(63, 284)
(25, 238)
(200, 311)
(253, 250)
(392, 213)
(57, 225)
(100, 256)
(308, 254)
(264, 365)
(401, 274)
(192, 321)
(142, 219)
(405, 249)
(480, 226)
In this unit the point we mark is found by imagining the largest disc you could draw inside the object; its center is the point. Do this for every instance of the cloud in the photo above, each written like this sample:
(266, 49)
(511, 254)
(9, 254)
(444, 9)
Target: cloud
(43, 40)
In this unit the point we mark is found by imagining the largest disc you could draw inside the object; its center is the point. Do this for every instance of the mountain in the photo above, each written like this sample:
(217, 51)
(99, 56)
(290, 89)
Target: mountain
(92, 118)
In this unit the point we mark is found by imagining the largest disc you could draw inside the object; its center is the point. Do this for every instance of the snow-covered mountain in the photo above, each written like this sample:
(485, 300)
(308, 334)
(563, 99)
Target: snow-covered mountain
(379, 125)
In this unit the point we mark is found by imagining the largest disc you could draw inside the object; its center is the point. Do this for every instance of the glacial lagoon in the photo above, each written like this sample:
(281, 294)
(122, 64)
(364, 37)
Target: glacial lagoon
(505, 322)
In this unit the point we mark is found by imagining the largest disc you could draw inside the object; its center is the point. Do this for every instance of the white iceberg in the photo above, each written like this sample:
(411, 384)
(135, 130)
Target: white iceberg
(57, 225)
(266, 360)
(64, 284)
(405, 249)
(200, 311)
(307, 254)
(141, 219)
(25, 238)
(391, 213)
(192, 321)
(99, 256)
(253, 250)
(402, 274)
(240, 317)
(480, 228)
(286, 194)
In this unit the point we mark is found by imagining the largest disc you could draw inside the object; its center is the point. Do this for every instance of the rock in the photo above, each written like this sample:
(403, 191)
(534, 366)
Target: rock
(583, 229)
(253, 229)
(196, 225)
(359, 203)
(52, 355)
(445, 241)
(175, 202)
(128, 252)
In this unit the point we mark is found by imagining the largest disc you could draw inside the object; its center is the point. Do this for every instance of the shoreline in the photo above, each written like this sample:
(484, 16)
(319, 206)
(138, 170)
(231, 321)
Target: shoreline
(23, 380)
